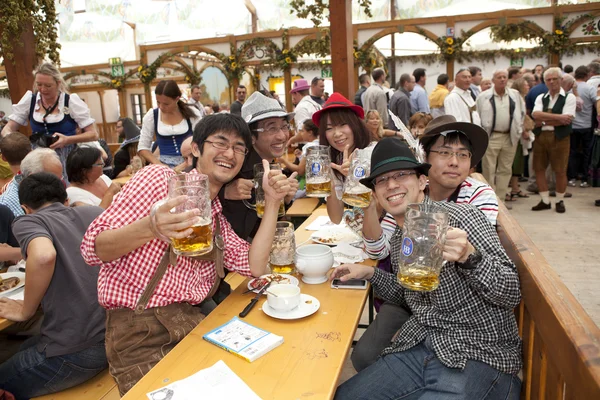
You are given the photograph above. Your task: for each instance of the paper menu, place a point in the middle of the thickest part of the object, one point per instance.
(216, 382)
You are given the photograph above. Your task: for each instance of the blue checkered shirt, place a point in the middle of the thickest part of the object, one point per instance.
(10, 197)
(470, 315)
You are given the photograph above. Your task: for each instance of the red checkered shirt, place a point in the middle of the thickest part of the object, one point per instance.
(122, 281)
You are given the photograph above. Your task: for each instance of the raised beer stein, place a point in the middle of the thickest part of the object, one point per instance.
(259, 193)
(195, 187)
(424, 235)
(282, 259)
(355, 193)
(318, 171)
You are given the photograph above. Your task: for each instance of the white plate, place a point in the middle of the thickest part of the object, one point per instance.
(335, 235)
(20, 275)
(303, 310)
(293, 281)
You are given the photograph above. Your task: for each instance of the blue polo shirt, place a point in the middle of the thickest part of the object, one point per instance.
(533, 94)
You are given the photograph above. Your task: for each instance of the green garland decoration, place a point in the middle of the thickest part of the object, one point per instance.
(321, 46)
(319, 9)
(41, 14)
(147, 73)
(5, 93)
(192, 76)
(233, 63)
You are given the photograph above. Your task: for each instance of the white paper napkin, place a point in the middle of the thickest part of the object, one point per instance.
(319, 223)
(345, 253)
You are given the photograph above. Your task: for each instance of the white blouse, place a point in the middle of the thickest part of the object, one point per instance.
(76, 194)
(147, 134)
(77, 109)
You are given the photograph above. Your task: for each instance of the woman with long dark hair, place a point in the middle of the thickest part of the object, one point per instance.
(341, 126)
(172, 122)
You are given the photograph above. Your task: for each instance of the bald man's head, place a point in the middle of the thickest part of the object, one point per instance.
(186, 151)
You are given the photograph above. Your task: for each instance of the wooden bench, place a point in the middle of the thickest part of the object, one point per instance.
(561, 343)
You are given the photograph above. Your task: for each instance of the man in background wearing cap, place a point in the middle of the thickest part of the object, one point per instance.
(459, 103)
(463, 336)
(451, 148)
(305, 106)
(269, 125)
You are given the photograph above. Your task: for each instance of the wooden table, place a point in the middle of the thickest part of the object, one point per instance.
(302, 207)
(306, 365)
(4, 323)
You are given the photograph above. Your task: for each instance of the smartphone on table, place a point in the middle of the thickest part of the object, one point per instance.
(349, 284)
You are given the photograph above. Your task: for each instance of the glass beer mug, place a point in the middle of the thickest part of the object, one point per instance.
(259, 193)
(282, 259)
(195, 187)
(355, 193)
(318, 171)
(420, 261)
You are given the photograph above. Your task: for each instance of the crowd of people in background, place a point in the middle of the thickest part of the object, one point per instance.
(540, 122)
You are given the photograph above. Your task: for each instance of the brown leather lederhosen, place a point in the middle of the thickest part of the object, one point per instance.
(160, 329)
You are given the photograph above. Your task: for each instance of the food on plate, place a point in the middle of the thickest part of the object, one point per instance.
(8, 283)
(258, 283)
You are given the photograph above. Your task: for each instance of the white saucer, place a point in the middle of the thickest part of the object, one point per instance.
(292, 281)
(303, 310)
(6, 275)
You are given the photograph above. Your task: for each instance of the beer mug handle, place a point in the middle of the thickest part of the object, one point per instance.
(153, 227)
(246, 202)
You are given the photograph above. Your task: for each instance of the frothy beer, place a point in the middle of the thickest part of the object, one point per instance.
(361, 200)
(318, 188)
(419, 278)
(283, 269)
(260, 209)
(198, 242)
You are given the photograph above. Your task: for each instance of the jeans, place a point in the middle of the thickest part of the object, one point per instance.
(29, 373)
(418, 374)
(579, 161)
(378, 335)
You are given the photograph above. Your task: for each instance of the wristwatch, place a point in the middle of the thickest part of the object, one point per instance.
(472, 260)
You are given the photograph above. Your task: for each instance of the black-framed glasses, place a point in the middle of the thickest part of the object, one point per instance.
(462, 155)
(237, 148)
(274, 130)
(399, 176)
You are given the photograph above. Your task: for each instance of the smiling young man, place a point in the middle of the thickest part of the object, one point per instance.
(462, 339)
(269, 125)
(145, 323)
(452, 148)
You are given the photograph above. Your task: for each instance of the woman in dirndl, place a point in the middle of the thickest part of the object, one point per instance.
(172, 122)
(54, 115)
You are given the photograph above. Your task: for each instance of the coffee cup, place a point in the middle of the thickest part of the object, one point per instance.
(284, 297)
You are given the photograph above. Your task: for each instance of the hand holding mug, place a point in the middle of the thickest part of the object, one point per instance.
(457, 246)
(275, 184)
(166, 225)
(239, 189)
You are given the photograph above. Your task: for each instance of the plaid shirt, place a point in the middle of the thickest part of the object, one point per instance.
(10, 196)
(470, 315)
(122, 281)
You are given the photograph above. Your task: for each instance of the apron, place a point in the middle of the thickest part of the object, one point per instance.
(42, 132)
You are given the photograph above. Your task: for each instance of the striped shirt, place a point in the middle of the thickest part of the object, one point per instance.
(471, 191)
(470, 315)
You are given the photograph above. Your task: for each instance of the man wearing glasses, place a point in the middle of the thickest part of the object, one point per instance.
(151, 294)
(451, 148)
(269, 125)
(461, 341)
